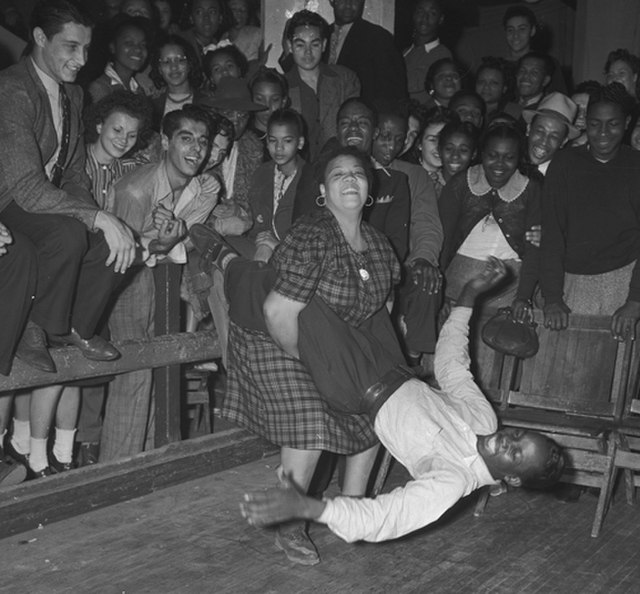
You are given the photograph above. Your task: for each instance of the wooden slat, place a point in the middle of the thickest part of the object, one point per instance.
(25, 506)
(136, 354)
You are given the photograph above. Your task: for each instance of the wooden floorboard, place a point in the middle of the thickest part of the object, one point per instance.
(191, 538)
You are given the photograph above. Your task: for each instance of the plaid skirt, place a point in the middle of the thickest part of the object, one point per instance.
(273, 395)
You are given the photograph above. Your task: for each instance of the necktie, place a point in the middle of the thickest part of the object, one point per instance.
(58, 168)
(333, 45)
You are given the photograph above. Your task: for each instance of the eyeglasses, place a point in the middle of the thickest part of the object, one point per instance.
(181, 61)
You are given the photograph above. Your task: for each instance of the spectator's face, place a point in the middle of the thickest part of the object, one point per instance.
(306, 46)
(606, 125)
(427, 18)
(219, 150)
(221, 65)
(500, 161)
(490, 85)
(519, 32)
(186, 149)
(430, 155)
(62, 56)
(345, 184)
(283, 144)
(130, 49)
(346, 11)
(270, 95)
(392, 131)
(513, 452)
(240, 12)
(635, 137)
(164, 12)
(446, 83)
(140, 8)
(582, 101)
(173, 65)
(412, 133)
(456, 153)
(206, 17)
(547, 134)
(355, 127)
(239, 119)
(531, 78)
(469, 109)
(621, 72)
(116, 136)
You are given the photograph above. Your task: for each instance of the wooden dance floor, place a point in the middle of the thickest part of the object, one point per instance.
(191, 538)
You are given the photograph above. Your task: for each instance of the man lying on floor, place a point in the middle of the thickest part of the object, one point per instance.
(447, 439)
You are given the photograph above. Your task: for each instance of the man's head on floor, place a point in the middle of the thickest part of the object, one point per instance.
(522, 458)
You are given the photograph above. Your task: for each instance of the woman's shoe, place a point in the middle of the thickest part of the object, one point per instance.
(294, 541)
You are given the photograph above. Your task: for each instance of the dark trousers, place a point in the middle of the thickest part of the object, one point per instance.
(18, 273)
(344, 361)
(73, 283)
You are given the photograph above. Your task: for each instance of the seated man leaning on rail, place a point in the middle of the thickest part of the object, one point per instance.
(447, 439)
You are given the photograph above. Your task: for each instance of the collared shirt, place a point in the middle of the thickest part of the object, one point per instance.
(136, 195)
(104, 176)
(486, 238)
(428, 47)
(433, 433)
(116, 81)
(53, 93)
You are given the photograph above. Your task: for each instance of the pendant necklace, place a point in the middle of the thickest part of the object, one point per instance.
(361, 263)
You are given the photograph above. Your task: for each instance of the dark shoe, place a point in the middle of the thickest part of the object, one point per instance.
(88, 454)
(11, 473)
(45, 472)
(211, 246)
(57, 467)
(95, 348)
(12, 453)
(32, 349)
(294, 541)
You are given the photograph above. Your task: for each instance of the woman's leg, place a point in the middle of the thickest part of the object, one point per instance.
(43, 406)
(66, 420)
(299, 465)
(357, 472)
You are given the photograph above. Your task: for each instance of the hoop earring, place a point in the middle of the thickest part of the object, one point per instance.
(369, 201)
(321, 200)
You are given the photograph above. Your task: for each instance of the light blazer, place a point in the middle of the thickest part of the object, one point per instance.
(28, 140)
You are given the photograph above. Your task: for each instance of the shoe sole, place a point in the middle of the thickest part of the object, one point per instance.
(297, 555)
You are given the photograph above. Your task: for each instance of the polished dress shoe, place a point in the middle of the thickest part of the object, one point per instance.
(11, 473)
(32, 349)
(57, 467)
(95, 348)
(12, 453)
(36, 474)
(88, 454)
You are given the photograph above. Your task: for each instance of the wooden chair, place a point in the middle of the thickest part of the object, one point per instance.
(574, 390)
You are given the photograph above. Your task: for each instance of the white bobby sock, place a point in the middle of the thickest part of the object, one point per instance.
(21, 436)
(63, 445)
(38, 456)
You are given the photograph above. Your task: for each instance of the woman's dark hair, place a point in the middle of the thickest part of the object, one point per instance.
(614, 93)
(236, 55)
(343, 151)
(272, 76)
(507, 132)
(193, 63)
(122, 22)
(435, 68)
(436, 115)
(119, 101)
(221, 125)
(458, 127)
(505, 69)
(462, 94)
(286, 116)
(623, 55)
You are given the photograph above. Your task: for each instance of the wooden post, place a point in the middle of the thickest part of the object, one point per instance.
(167, 379)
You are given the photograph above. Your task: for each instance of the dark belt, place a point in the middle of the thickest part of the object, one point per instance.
(377, 394)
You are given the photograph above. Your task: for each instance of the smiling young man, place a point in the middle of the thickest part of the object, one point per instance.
(447, 439)
(590, 216)
(160, 201)
(316, 89)
(550, 127)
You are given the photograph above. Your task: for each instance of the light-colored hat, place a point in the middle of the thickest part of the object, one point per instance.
(559, 106)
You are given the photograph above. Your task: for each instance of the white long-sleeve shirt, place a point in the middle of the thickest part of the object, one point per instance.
(433, 433)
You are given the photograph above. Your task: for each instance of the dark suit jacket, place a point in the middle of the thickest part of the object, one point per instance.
(369, 51)
(28, 140)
